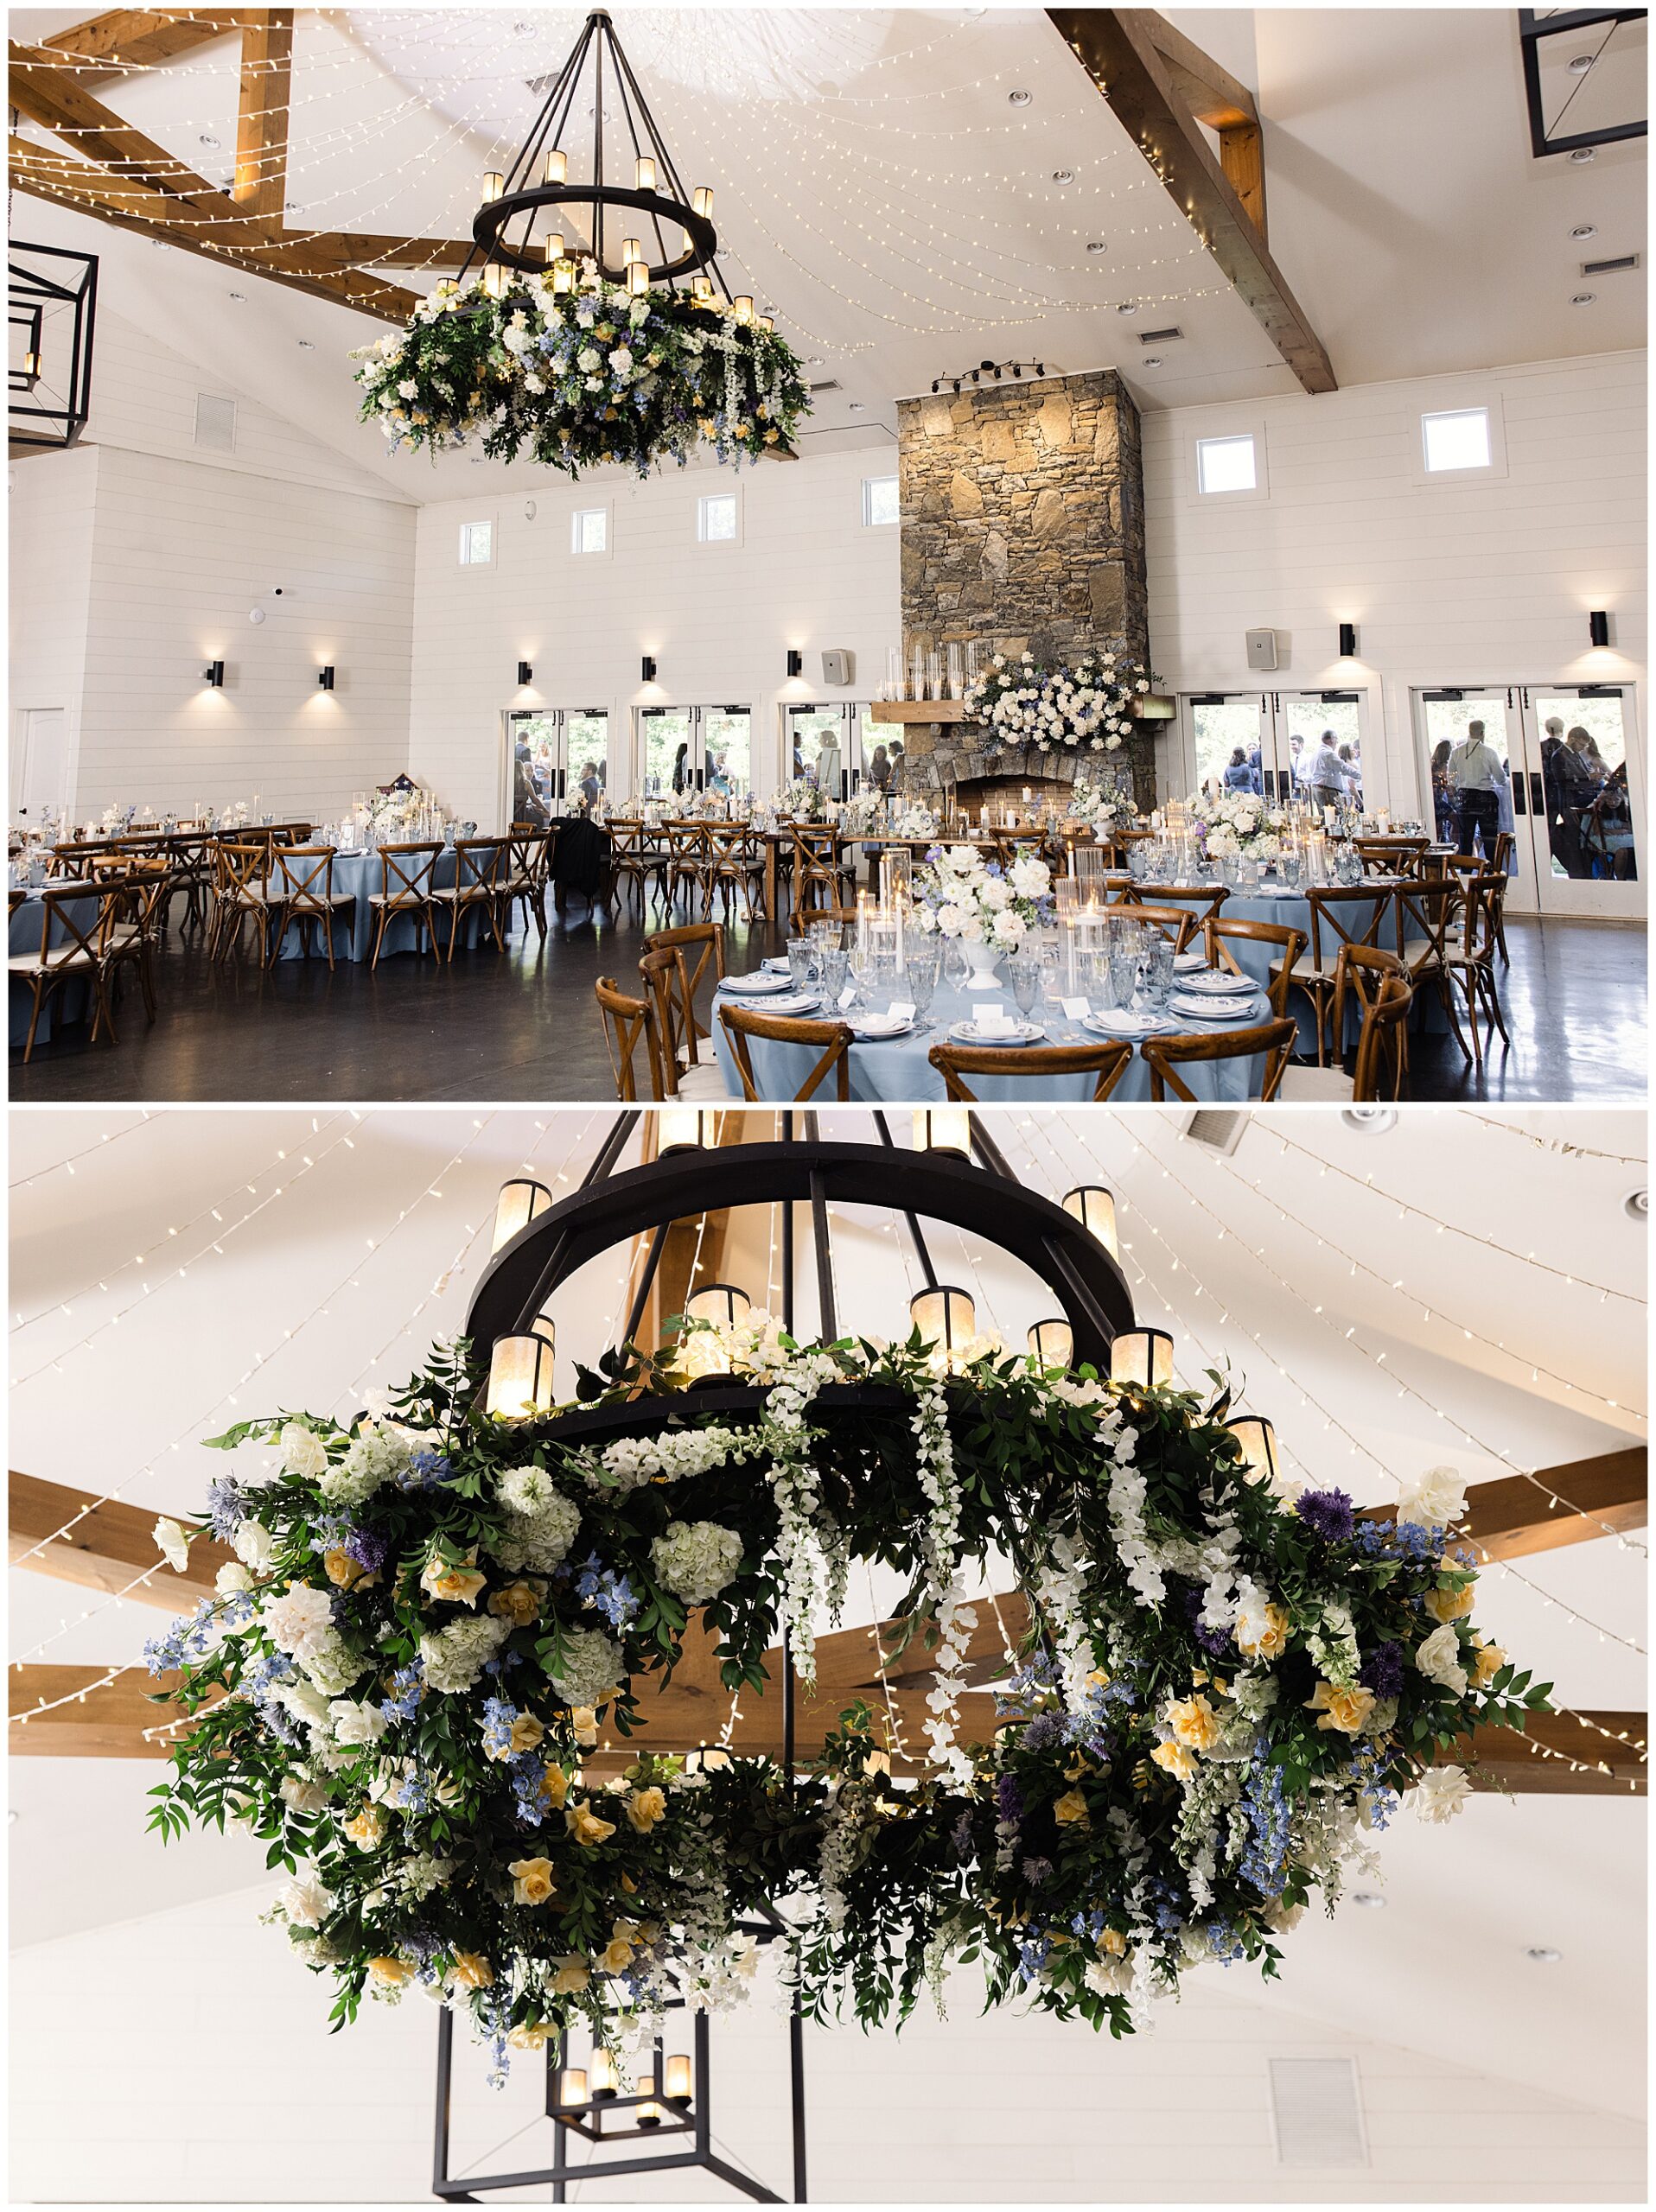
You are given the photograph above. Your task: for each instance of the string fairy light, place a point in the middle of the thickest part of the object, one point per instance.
(66, 1165)
(1561, 1147)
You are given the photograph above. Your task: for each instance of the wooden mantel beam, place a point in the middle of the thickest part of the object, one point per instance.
(1122, 50)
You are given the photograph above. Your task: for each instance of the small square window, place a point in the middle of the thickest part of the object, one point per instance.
(1227, 464)
(879, 501)
(716, 518)
(476, 544)
(590, 531)
(1459, 440)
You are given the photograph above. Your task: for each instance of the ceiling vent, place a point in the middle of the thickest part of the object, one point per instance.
(215, 422)
(1319, 2120)
(1160, 337)
(828, 384)
(1219, 1132)
(1609, 268)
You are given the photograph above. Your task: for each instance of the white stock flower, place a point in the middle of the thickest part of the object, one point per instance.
(1434, 1499)
(304, 1701)
(1441, 1792)
(303, 1452)
(1439, 1659)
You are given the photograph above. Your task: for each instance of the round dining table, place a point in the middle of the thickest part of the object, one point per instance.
(897, 1070)
(70, 1001)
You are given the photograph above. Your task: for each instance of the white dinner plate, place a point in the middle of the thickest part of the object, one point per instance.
(1121, 1022)
(1188, 961)
(756, 986)
(1211, 983)
(1016, 1033)
(796, 1002)
(1219, 1010)
(877, 1028)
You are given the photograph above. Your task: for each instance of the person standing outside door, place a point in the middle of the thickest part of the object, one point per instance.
(1475, 775)
(1327, 777)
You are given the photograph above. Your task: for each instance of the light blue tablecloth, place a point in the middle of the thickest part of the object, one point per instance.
(69, 1001)
(1290, 911)
(358, 875)
(900, 1072)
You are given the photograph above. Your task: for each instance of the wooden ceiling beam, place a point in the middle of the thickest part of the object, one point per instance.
(243, 242)
(1520, 1514)
(262, 120)
(52, 96)
(134, 38)
(107, 1548)
(1119, 48)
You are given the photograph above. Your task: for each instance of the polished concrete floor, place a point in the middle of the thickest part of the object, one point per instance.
(524, 1025)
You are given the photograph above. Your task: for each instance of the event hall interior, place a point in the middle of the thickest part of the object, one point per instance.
(1465, 2027)
(394, 718)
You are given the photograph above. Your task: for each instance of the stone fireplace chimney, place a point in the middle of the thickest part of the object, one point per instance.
(1023, 527)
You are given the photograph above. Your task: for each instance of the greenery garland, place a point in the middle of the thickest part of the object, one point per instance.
(1090, 702)
(578, 378)
(434, 1615)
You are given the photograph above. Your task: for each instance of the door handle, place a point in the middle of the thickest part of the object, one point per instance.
(1517, 793)
(1537, 793)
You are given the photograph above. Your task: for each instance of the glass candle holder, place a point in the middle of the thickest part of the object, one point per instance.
(702, 1352)
(943, 1129)
(947, 1319)
(1052, 1344)
(1095, 1208)
(520, 1200)
(520, 1376)
(1143, 1358)
(1257, 1438)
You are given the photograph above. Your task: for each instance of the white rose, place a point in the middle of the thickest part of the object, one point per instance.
(298, 1619)
(1008, 928)
(231, 1579)
(304, 1701)
(408, 388)
(1438, 1659)
(1434, 1499)
(302, 1796)
(307, 1904)
(621, 361)
(303, 1452)
(1441, 1792)
(357, 1724)
(173, 1544)
(587, 358)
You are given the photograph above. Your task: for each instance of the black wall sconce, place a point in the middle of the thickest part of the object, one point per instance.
(525, 674)
(213, 675)
(795, 663)
(1598, 628)
(325, 679)
(1347, 641)
(646, 668)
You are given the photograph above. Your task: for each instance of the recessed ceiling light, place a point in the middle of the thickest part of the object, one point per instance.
(813, 361)
(1371, 1900)
(1019, 99)
(1584, 154)
(307, 345)
(1127, 307)
(1063, 176)
(1581, 64)
(857, 407)
(1585, 230)
(521, 30)
(209, 141)
(1636, 1205)
(239, 295)
(1152, 361)
(1372, 1121)
(1582, 299)
(1542, 1955)
(1097, 245)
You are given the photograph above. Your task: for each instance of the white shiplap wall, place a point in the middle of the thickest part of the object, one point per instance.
(718, 619)
(50, 515)
(1013, 2108)
(1483, 579)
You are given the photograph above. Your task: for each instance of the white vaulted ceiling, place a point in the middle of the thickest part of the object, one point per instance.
(877, 187)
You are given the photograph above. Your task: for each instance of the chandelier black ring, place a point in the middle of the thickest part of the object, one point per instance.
(495, 216)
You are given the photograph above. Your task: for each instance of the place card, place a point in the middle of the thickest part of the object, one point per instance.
(992, 1017)
(847, 995)
(901, 1010)
(1075, 1009)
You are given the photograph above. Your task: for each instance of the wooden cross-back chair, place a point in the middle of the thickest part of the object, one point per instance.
(1469, 962)
(240, 890)
(832, 1038)
(817, 867)
(1177, 922)
(1221, 937)
(405, 873)
(302, 893)
(1165, 1056)
(479, 877)
(628, 1023)
(695, 947)
(76, 924)
(1107, 1062)
(1314, 972)
(528, 865)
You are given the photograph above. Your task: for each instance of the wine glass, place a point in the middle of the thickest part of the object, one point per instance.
(1023, 973)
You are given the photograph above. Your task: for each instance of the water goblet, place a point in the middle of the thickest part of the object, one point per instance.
(1023, 973)
(920, 976)
(834, 966)
(801, 962)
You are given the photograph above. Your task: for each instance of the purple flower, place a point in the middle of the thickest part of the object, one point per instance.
(1213, 1640)
(1382, 1671)
(1037, 1870)
(1008, 1801)
(1328, 1512)
(226, 1506)
(1046, 1728)
(369, 1547)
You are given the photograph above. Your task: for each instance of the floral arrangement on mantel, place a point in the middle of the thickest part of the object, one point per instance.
(1087, 703)
(1238, 823)
(435, 1616)
(959, 893)
(578, 378)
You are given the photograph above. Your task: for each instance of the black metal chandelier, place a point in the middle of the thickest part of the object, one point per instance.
(640, 181)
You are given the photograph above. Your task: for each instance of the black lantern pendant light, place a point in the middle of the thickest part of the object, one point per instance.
(630, 175)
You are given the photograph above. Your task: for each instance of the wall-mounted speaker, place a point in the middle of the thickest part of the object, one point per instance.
(1262, 648)
(838, 666)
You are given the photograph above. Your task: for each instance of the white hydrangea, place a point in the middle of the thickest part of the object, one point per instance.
(591, 1668)
(418, 1876)
(453, 1658)
(332, 1665)
(696, 1558)
(540, 1523)
(303, 1452)
(377, 1456)
(298, 1619)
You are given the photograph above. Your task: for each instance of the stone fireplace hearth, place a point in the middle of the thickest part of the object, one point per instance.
(1022, 511)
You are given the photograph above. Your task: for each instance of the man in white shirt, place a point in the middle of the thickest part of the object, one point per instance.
(1476, 772)
(1326, 774)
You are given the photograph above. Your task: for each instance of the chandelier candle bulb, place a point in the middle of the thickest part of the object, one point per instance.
(554, 247)
(1258, 1439)
(494, 281)
(631, 251)
(677, 2078)
(742, 308)
(1143, 1358)
(556, 168)
(650, 2115)
(637, 279)
(702, 200)
(520, 1376)
(703, 1354)
(685, 1129)
(572, 2087)
(1095, 1208)
(644, 174)
(701, 290)
(520, 1201)
(948, 1320)
(563, 275)
(766, 322)
(603, 2080)
(1052, 1344)
(943, 1129)
(494, 185)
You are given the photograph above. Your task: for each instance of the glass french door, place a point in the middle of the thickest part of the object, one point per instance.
(1573, 790)
(727, 749)
(827, 745)
(555, 757)
(1267, 741)
(695, 749)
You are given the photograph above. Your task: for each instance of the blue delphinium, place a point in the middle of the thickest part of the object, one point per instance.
(226, 1506)
(1046, 1728)
(405, 1700)
(498, 1719)
(1265, 1863)
(608, 1592)
(1328, 1512)
(960, 1837)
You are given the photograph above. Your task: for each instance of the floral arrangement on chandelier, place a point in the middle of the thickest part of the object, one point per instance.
(578, 377)
(958, 893)
(1088, 703)
(1238, 823)
(437, 1618)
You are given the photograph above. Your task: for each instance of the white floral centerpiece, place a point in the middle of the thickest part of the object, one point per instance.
(1238, 823)
(862, 810)
(989, 910)
(911, 821)
(1088, 703)
(803, 800)
(1107, 814)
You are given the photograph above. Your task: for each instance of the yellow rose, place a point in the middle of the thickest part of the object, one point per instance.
(526, 1732)
(584, 1825)
(519, 1603)
(342, 1571)
(616, 1956)
(366, 1829)
(461, 1585)
(1071, 1807)
(1449, 1604)
(584, 1720)
(1176, 1759)
(1270, 1641)
(390, 1974)
(555, 1787)
(532, 1882)
(1194, 1723)
(1346, 1710)
(571, 1978)
(534, 2035)
(645, 1807)
(1113, 1944)
(1488, 1663)
(472, 1970)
